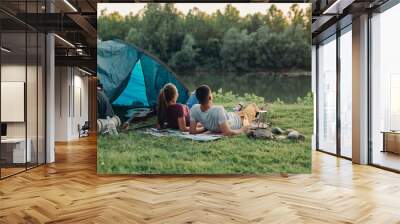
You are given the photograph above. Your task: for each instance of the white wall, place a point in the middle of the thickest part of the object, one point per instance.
(34, 125)
(80, 105)
(71, 102)
(10, 73)
(61, 103)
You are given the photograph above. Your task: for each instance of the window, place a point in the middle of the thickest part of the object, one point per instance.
(327, 95)
(22, 76)
(346, 92)
(385, 89)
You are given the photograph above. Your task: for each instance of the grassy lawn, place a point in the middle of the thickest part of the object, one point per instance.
(133, 152)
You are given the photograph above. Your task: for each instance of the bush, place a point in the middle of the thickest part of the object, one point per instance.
(222, 41)
(306, 100)
(230, 99)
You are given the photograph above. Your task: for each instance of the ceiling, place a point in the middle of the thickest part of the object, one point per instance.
(75, 22)
(330, 15)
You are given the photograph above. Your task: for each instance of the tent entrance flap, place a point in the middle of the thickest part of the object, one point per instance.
(134, 93)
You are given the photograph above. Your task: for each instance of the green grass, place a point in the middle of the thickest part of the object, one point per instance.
(137, 153)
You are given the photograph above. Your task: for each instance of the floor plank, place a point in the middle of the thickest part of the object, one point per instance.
(69, 191)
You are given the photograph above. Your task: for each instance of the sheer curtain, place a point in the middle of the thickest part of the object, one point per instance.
(327, 95)
(346, 92)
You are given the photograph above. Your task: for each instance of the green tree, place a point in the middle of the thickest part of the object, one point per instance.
(297, 17)
(230, 18)
(198, 24)
(271, 49)
(252, 22)
(111, 26)
(161, 30)
(185, 58)
(211, 54)
(275, 19)
(308, 19)
(300, 37)
(134, 36)
(235, 52)
(221, 40)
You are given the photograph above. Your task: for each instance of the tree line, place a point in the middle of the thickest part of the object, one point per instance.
(223, 40)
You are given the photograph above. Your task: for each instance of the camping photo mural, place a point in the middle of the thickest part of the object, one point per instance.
(204, 88)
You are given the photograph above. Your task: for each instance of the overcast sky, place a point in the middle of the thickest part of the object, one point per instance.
(244, 8)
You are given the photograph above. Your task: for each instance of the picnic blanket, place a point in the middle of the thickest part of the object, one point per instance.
(204, 137)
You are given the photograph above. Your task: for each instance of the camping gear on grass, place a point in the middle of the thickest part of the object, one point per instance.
(277, 131)
(274, 133)
(295, 135)
(136, 113)
(132, 77)
(261, 119)
(260, 133)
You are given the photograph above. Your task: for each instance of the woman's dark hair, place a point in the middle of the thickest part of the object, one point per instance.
(203, 94)
(167, 93)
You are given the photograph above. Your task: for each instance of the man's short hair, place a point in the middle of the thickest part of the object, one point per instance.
(203, 94)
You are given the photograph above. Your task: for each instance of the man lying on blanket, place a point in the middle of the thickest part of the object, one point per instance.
(214, 118)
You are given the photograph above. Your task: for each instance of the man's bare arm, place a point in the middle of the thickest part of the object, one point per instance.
(194, 129)
(227, 131)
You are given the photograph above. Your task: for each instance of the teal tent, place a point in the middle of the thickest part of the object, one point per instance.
(132, 77)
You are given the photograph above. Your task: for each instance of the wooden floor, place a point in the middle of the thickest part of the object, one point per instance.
(387, 159)
(5, 172)
(69, 191)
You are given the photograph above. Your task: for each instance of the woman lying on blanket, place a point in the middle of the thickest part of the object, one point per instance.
(171, 114)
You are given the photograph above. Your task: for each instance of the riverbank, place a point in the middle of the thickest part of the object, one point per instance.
(292, 73)
(271, 87)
